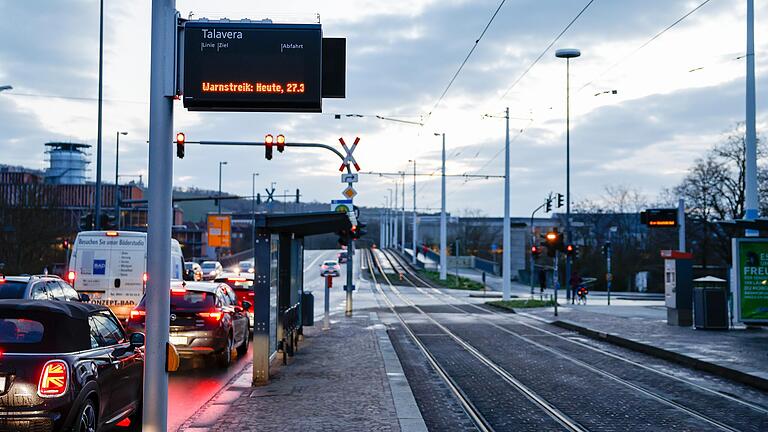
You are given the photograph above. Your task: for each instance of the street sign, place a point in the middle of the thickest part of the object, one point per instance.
(750, 262)
(342, 207)
(252, 66)
(349, 159)
(349, 192)
(349, 178)
(219, 230)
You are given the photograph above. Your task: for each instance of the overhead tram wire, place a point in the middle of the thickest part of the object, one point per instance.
(466, 59)
(543, 53)
(645, 44)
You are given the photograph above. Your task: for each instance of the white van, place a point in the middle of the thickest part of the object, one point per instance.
(110, 266)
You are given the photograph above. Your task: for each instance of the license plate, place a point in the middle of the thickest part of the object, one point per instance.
(178, 340)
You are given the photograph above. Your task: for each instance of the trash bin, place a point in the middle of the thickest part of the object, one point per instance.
(307, 308)
(710, 304)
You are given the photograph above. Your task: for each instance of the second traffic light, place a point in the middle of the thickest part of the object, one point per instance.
(554, 242)
(181, 140)
(269, 140)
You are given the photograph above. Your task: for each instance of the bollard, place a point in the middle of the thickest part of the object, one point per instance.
(327, 303)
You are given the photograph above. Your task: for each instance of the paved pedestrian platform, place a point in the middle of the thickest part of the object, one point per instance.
(348, 378)
(739, 354)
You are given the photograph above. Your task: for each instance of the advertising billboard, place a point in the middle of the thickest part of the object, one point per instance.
(750, 258)
(252, 66)
(219, 230)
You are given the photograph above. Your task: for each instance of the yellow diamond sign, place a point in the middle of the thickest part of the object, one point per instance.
(349, 192)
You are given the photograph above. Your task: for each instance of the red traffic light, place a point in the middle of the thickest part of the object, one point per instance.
(280, 143)
(535, 251)
(268, 141)
(181, 138)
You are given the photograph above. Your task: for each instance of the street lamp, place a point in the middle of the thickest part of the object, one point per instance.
(568, 54)
(97, 198)
(220, 165)
(117, 175)
(443, 222)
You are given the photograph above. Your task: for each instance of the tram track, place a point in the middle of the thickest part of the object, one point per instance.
(574, 352)
(513, 385)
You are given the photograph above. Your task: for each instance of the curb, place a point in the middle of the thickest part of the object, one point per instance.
(675, 357)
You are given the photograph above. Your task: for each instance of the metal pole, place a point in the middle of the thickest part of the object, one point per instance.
(160, 214)
(219, 200)
(415, 236)
(608, 264)
(557, 277)
(117, 184)
(391, 220)
(402, 214)
(458, 284)
(350, 269)
(97, 204)
(568, 237)
(382, 234)
(327, 303)
(253, 214)
(681, 225)
(506, 260)
(394, 216)
(443, 225)
(751, 196)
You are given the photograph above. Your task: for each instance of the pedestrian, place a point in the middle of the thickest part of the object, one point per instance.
(542, 280)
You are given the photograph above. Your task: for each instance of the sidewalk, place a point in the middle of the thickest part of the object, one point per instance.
(347, 378)
(740, 355)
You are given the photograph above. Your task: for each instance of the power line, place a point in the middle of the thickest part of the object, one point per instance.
(581, 12)
(461, 66)
(646, 43)
(77, 98)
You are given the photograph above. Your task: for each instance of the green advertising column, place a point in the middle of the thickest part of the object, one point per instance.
(750, 259)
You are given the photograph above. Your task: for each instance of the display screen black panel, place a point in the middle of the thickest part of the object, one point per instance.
(245, 66)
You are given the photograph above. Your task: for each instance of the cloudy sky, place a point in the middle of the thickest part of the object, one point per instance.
(401, 54)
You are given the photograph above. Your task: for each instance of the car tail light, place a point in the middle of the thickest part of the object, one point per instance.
(215, 315)
(237, 279)
(71, 276)
(54, 379)
(145, 277)
(2, 278)
(137, 314)
(178, 290)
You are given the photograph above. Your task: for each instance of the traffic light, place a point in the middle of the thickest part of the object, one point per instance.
(298, 195)
(258, 199)
(607, 248)
(343, 237)
(548, 205)
(180, 140)
(359, 230)
(65, 244)
(281, 143)
(570, 250)
(554, 242)
(86, 222)
(535, 251)
(268, 142)
(107, 221)
(560, 200)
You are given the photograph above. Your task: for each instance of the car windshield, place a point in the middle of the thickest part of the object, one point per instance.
(209, 265)
(188, 266)
(12, 290)
(330, 263)
(191, 300)
(239, 283)
(20, 331)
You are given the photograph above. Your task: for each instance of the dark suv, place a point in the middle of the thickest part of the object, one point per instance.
(67, 366)
(205, 321)
(39, 287)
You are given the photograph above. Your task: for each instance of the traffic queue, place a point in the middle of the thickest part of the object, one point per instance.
(71, 350)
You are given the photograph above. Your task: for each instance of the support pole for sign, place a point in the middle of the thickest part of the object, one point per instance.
(160, 215)
(506, 260)
(402, 214)
(557, 277)
(750, 161)
(443, 223)
(415, 229)
(681, 225)
(350, 269)
(327, 303)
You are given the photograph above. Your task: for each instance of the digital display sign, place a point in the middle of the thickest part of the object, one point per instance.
(659, 218)
(252, 66)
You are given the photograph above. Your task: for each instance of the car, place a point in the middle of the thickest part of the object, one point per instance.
(242, 284)
(211, 270)
(205, 321)
(67, 366)
(193, 271)
(330, 268)
(38, 287)
(246, 267)
(343, 257)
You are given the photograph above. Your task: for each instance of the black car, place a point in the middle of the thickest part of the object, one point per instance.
(205, 321)
(67, 366)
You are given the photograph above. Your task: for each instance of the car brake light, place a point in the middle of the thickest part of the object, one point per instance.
(112, 234)
(124, 423)
(54, 379)
(237, 279)
(216, 315)
(250, 293)
(2, 279)
(178, 290)
(71, 276)
(145, 277)
(135, 314)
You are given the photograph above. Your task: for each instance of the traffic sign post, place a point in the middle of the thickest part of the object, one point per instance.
(327, 303)
(349, 178)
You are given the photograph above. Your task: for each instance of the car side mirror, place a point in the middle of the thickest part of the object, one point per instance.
(137, 339)
(84, 297)
(247, 305)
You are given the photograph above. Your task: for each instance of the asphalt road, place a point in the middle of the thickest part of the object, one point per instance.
(197, 382)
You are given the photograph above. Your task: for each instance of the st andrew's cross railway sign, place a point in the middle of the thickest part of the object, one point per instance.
(349, 159)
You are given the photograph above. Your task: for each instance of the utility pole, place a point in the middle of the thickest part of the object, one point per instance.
(382, 234)
(155, 406)
(681, 225)
(506, 260)
(751, 195)
(253, 213)
(394, 216)
(402, 214)
(557, 277)
(117, 174)
(443, 223)
(415, 229)
(390, 220)
(97, 204)
(608, 252)
(219, 200)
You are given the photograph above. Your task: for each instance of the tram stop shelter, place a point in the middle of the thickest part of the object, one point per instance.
(279, 281)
